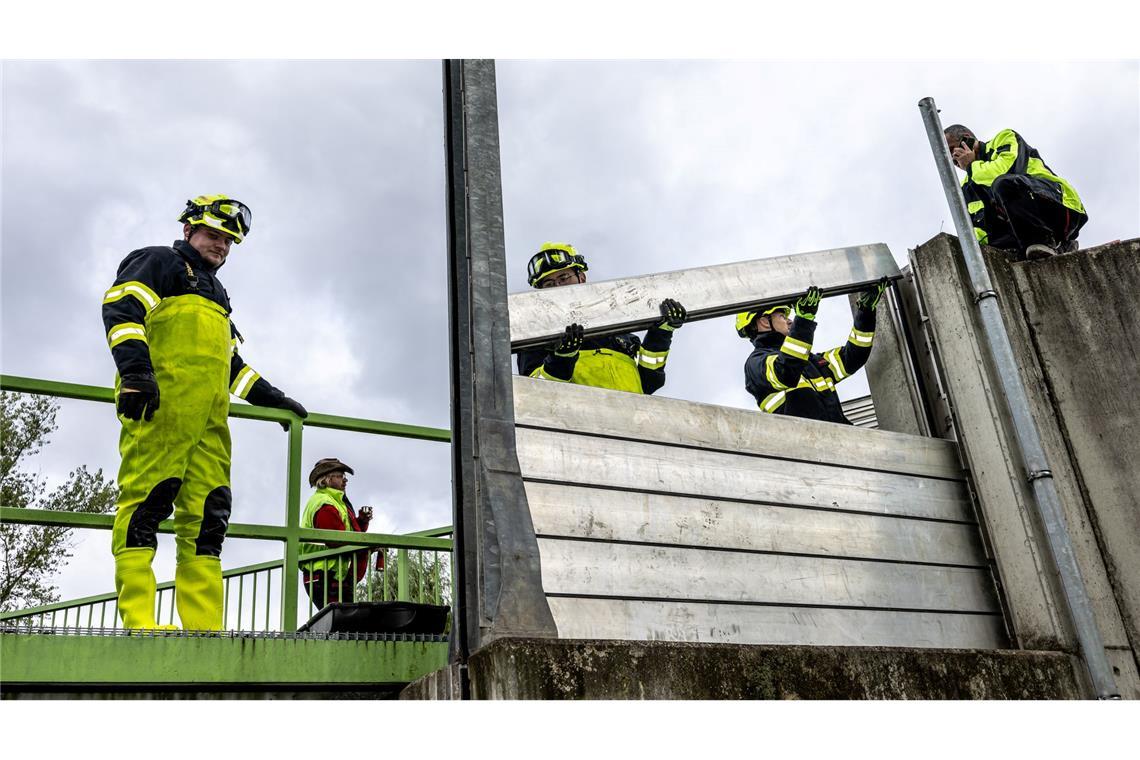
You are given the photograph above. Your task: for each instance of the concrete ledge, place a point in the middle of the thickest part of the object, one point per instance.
(519, 668)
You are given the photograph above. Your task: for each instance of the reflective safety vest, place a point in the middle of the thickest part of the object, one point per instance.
(617, 362)
(340, 567)
(603, 368)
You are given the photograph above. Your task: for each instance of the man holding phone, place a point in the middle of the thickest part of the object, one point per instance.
(1014, 199)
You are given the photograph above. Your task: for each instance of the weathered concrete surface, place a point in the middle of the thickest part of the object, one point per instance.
(576, 669)
(1083, 320)
(443, 684)
(1031, 591)
(1029, 294)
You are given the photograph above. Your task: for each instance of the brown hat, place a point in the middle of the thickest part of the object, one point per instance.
(325, 466)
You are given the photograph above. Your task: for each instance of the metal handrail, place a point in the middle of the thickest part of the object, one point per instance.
(291, 534)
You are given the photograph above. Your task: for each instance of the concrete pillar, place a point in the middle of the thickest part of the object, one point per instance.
(1030, 589)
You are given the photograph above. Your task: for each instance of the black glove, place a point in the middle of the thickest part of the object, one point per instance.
(144, 399)
(869, 299)
(292, 406)
(571, 341)
(807, 304)
(674, 313)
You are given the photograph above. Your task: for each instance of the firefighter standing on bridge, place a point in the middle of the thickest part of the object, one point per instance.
(784, 375)
(167, 319)
(619, 362)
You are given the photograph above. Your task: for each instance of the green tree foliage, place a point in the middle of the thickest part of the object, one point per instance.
(32, 555)
(429, 577)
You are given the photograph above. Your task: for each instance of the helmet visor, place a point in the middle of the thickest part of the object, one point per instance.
(232, 211)
(545, 262)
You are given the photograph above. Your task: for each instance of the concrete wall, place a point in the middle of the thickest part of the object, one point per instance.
(1073, 328)
(1081, 312)
(568, 669)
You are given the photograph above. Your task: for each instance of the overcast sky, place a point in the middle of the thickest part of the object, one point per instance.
(340, 289)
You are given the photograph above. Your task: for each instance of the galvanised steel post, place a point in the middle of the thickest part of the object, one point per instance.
(1037, 470)
(499, 587)
(465, 613)
(292, 529)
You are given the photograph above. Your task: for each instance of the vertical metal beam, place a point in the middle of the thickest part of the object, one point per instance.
(498, 580)
(1024, 428)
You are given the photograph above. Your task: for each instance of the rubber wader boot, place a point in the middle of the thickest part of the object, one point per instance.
(135, 585)
(198, 593)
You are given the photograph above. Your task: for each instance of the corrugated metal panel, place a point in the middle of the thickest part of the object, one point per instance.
(861, 412)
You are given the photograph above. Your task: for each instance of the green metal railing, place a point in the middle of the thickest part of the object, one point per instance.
(291, 534)
(413, 578)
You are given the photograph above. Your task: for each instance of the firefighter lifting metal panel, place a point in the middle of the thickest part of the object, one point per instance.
(538, 316)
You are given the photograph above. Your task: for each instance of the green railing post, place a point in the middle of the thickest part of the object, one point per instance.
(292, 529)
(402, 593)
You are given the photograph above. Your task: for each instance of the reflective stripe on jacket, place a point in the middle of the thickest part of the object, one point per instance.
(618, 362)
(148, 277)
(785, 377)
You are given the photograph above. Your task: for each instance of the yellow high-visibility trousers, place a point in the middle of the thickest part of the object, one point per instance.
(178, 462)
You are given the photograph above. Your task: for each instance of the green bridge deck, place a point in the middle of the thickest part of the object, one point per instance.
(183, 664)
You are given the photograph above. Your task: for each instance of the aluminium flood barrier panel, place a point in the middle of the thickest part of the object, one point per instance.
(660, 519)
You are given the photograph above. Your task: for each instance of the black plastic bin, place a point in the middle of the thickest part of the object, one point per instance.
(379, 617)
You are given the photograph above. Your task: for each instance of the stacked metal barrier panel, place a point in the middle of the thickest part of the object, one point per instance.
(667, 519)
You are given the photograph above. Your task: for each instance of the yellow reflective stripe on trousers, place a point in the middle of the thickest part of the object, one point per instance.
(147, 297)
(652, 359)
(544, 375)
(836, 363)
(796, 348)
(773, 401)
(126, 331)
(243, 383)
(860, 338)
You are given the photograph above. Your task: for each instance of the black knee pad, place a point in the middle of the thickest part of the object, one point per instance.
(215, 521)
(156, 507)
